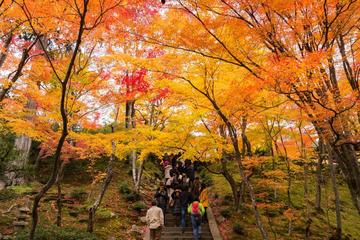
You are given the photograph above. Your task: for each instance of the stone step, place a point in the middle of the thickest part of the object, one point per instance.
(20, 223)
(186, 229)
(183, 237)
(185, 234)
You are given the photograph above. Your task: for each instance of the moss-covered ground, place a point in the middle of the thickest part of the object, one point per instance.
(114, 218)
(275, 213)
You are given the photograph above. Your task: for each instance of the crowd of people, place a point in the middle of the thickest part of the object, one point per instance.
(182, 194)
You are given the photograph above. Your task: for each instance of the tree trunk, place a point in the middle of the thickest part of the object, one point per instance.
(129, 124)
(253, 202)
(59, 194)
(109, 174)
(306, 198)
(233, 185)
(288, 167)
(64, 131)
(15, 172)
(319, 175)
(23, 145)
(139, 175)
(346, 157)
(6, 46)
(234, 140)
(18, 73)
(246, 145)
(336, 193)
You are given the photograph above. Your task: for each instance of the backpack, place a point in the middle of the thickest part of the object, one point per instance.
(195, 211)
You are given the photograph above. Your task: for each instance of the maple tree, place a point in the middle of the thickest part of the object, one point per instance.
(289, 47)
(240, 84)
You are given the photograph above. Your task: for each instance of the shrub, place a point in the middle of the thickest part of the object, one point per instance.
(7, 194)
(206, 178)
(237, 228)
(228, 197)
(139, 206)
(104, 214)
(124, 188)
(132, 197)
(57, 233)
(227, 200)
(78, 194)
(273, 212)
(226, 212)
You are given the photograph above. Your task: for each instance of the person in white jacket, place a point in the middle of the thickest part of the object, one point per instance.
(167, 169)
(155, 221)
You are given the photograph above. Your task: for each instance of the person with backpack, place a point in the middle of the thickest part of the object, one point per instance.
(155, 221)
(196, 211)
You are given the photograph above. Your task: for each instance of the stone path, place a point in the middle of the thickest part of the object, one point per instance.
(174, 233)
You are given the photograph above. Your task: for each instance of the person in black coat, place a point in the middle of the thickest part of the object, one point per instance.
(186, 198)
(176, 205)
(162, 199)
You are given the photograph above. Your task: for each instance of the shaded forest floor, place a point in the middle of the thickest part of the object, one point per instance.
(120, 210)
(275, 215)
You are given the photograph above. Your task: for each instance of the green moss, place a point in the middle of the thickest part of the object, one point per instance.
(7, 194)
(57, 233)
(238, 228)
(21, 189)
(124, 188)
(104, 214)
(79, 194)
(226, 212)
(139, 206)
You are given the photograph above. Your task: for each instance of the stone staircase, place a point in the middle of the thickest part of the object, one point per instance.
(172, 232)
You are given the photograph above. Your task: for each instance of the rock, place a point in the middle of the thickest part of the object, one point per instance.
(135, 229)
(73, 213)
(83, 220)
(20, 224)
(31, 193)
(24, 210)
(68, 201)
(2, 186)
(8, 237)
(221, 219)
(22, 216)
(143, 219)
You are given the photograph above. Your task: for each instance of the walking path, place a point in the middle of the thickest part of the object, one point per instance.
(174, 233)
(172, 230)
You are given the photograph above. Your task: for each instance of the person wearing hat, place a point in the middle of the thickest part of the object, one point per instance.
(176, 204)
(155, 221)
